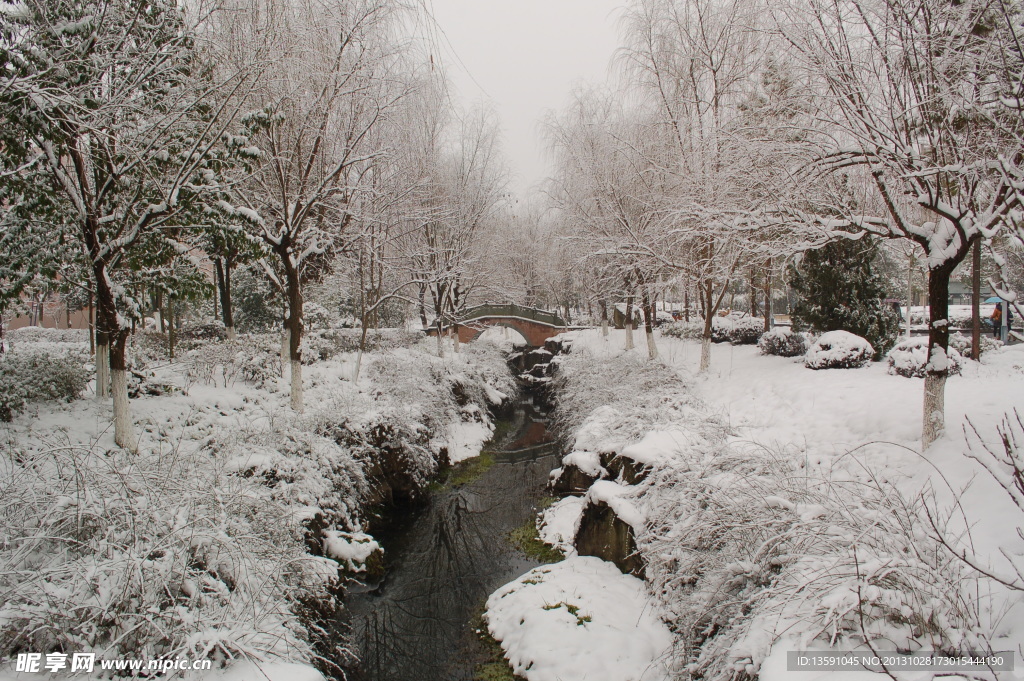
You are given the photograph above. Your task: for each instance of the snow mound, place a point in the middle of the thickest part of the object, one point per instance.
(597, 433)
(467, 438)
(557, 524)
(587, 462)
(620, 499)
(544, 619)
(839, 350)
(910, 358)
(351, 549)
(248, 670)
(658, 447)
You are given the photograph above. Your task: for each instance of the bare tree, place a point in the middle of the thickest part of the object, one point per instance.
(332, 84)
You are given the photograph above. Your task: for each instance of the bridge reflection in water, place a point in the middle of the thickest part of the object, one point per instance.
(444, 563)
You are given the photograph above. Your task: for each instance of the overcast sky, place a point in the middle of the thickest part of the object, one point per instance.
(524, 56)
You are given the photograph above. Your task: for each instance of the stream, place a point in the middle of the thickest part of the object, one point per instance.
(445, 560)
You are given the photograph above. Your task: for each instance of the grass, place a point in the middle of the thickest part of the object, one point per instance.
(469, 470)
(496, 667)
(527, 540)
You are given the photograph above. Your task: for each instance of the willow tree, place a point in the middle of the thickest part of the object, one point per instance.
(333, 81)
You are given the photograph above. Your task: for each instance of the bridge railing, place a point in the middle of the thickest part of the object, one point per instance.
(508, 310)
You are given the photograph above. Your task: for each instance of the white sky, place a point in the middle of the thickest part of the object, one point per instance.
(524, 57)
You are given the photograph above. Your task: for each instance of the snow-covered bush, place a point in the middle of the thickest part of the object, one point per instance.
(962, 343)
(254, 359)
(691, 330)
(783, 342)
(720, 328)
(155, 554)
(27, 376)
(839, 350)
(745, 331)
(909, 358)
(316, 316)
(194, 334)
(39, 334)
(740, 547)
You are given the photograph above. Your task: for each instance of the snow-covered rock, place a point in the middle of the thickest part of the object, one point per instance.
(557, 524)
(579, 619)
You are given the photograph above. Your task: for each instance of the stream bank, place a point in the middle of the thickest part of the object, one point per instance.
(445, 558)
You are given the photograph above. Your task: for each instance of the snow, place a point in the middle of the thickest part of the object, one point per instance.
(587, 462)
(579, 619)
(659, 446)
(858, 426)
(594, 434)
(620, 498)
(352, 549)
(557, 524)
(838, 349)
(466, 439)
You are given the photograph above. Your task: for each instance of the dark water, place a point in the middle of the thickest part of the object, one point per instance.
(446, 560)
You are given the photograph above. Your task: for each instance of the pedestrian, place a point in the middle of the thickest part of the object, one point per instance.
(997, 319)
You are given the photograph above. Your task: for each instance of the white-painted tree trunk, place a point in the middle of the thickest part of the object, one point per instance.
(934, 421)
(359, 364)
(652, 349)
(455, 341)
(705, 354)
(286, 350)
(231, 333)
(604, 328)
(102, 372)
(124, 433)
(629, 336)
(296, 372)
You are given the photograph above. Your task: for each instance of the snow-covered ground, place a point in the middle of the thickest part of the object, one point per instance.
(846, 439)
(194, 547)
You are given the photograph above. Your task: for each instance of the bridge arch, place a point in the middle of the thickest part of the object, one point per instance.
(536, 326)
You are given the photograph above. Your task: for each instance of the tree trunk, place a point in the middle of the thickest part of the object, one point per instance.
(423, 307)
(604, 318)
(649, 316)
(455, 337)
(294, 322)
(768, 296)
(92, 328)
(976, 302)
(172, 334)
(934, 417)
(686, 302)
(910, 289)
(110, 360)
(124, 431)
(359, 355)
(628, 324)
(707, 301)
(224, 288)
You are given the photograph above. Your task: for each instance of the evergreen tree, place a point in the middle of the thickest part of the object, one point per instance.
(837, 289)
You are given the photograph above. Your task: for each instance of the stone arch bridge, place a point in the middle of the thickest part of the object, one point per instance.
(536, 326)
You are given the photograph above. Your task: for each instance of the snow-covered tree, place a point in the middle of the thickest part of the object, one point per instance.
(314, 113)
(110, 104)
(903, 86)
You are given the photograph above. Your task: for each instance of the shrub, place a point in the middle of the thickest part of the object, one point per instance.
(837, 289)
(692, 330)
(745, 330)
(149, 555)
(839, 350)
(962, 343)
(26, 376)
(783, 342)
(910, 358)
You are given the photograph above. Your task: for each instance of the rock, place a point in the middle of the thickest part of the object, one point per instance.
(601, 533)
(625, 469)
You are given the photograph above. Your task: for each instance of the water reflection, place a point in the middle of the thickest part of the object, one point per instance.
(445, 562)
